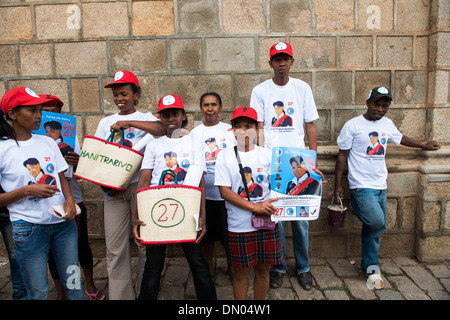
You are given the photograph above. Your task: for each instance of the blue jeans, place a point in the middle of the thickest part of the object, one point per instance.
(204, 286)
(300, 243)
(19, 290)
(33, 243)
(370, 206)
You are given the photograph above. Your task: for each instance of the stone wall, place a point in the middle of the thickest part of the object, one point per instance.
(71, 48)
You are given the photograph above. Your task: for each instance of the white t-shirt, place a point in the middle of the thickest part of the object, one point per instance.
(132, 135)
(213, 139)
(227, 174)
(286, 128)
(177, 154)
(367, 142)
(37, 160)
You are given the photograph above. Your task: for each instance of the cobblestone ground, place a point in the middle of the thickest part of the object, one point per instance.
(333, 279)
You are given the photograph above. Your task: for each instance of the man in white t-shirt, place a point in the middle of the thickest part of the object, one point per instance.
(284, 105)
(367, 172)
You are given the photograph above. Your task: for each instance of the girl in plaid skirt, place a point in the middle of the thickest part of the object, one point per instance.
(248, 246)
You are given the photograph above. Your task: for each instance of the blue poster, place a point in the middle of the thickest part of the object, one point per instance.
(62, 128)
(295, 183)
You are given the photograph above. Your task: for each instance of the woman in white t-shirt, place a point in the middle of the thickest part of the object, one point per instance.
(214, 136)
(118, 204)
(179, 151)
(32, 175)
(248, 247)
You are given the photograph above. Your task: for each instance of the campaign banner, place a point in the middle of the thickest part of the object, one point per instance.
(295, 183)
(62, 128)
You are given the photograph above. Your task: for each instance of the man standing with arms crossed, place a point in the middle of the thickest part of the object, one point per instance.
(367, 173)
(298, 101)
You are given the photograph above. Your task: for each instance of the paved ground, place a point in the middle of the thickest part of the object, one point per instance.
(334, 279)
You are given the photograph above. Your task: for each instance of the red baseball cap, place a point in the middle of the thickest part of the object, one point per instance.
(123, 76)
(281, 47)
(245, 112)
(170, 101)
(56, 101)
(21, 96)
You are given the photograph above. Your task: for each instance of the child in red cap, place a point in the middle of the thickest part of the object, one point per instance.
(249, 247)
(175, 144)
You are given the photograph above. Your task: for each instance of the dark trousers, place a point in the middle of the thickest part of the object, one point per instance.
(204, 286)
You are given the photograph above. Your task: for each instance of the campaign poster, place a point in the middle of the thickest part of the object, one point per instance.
(295, 184)
(62, 128)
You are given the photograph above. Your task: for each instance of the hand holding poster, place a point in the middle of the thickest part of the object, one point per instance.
(295, 183)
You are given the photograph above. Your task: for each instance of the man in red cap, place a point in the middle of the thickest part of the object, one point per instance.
(298, 101)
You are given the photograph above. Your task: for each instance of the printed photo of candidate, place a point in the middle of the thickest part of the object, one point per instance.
(281, 119)
(376, 148)
(254, 189)
(53, 130)
(302, 183)
(39, 176)
(171, 159)
(213, 149)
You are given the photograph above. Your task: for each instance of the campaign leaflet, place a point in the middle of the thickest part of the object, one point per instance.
(62, 128)
(295, 184)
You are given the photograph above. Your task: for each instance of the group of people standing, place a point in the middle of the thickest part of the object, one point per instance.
(282, 112)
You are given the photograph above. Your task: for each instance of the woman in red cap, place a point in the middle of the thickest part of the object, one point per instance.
(117, 204)
(249, 246)
(36, 230)
(176, 141)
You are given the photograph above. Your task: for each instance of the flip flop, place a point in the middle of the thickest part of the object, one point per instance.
(93, 296)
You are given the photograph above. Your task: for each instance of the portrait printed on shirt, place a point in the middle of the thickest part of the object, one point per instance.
(295, 183)
(254, 189)
(37, 173)
(212, 151)
(376, 146)
(171, 159)
(281, 119)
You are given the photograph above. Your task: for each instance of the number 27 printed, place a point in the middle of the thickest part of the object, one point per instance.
(165, 215)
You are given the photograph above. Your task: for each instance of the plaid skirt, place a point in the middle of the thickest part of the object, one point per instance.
(247, 249)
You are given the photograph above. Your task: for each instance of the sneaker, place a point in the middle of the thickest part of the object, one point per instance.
(305, 280)
(374, 281)
(276, 279)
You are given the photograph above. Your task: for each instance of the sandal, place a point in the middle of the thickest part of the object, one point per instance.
(93, 296)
